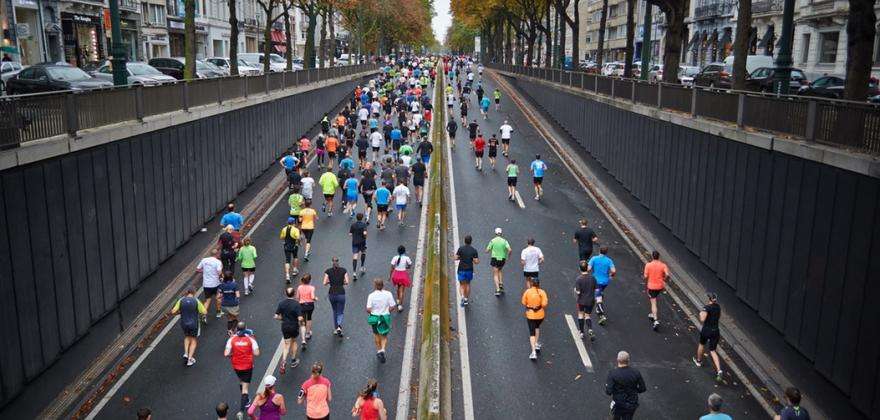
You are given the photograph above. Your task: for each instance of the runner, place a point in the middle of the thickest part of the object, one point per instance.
(247, 257)
(315, 393)
(232, 218)
(451, 129)
(228, 247)
(531, 259)
(484, 107)
(270, 403)
(306, 295)
(506, 132)
(496, 94)
(337, 278)
(308, 186)
(479, 145)
(380, 303)
(368, 189)
(319, 149)
(289, 163)
(304, 146)
(584, 237)
(377, 140)
(624, 384)
(229, 300)
(210, 267)
(350, 187)
(289, 312)
(383, 198)
(656, 274)
(368, 405)
(467, 258)
(363, 144)
(473, 131)
(358, 233)
(512, 174)
(329, 183)
(793, 410)
(241, 348)
(307, 218)
(290, 234)
(463, 106)
(710, 334)
(603, 270)
(535, 300)
(190, 310)
(537, 168)
(401, 197)
(399, 275)
(479, 91)
(425, 149)
(419, 173)
(499, 250)
(585, 290)
(332, 144)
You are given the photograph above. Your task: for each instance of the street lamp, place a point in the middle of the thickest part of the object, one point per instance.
(117, 49)
(782, 74)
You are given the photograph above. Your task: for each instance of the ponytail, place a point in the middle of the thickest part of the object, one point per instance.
(368, 390)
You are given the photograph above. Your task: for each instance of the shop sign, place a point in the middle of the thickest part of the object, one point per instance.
(23, 30)
(82, 19)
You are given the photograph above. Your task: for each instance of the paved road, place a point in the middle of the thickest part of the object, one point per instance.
(173, 391)
(505, 383)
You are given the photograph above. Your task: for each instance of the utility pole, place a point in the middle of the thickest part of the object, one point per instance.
(646, 43)
(783, 59)
(117, 49)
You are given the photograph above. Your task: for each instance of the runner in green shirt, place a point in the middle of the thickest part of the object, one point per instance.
(406, 149)
(499, 250)
(329, 183)
(295, 201)
(512, 173)
(247, 256)
(497, 95)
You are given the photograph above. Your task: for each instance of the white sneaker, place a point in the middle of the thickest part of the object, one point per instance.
(191, 361)
(533, 356)
(538, 346)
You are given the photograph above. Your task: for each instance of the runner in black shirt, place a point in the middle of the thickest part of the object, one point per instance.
(419, 173)
(624, 384)
(585, 289)
(290, 315)
(337, 278)
(584, 237)
(358, 233)
(451, 129)
(473, 130)
(367, 188)
(467, 258)
(710, 334)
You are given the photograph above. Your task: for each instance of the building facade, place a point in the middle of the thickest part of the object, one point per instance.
(820, 38)
(615, 30)
(711, 29)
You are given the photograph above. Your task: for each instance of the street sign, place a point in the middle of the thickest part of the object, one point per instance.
(23, 30)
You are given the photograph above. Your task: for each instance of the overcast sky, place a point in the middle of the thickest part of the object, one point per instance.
(442, 19)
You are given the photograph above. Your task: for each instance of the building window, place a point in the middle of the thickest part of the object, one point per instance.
(612, 10)
(805, 48)
(828, 47)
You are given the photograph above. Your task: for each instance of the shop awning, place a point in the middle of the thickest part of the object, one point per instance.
(725, 39)
(279, 41)
(693, 44)
(767, 39)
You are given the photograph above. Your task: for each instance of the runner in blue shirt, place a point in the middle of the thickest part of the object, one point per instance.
(537, 168)
(484, 107)
(232, 218)
(289, 163)
(347, 163)
(383, 197)
(351, 194)
(603, 270)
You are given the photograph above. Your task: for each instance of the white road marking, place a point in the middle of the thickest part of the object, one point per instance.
(519, 200)
(273, 364)
(467, 395)
(579, 343)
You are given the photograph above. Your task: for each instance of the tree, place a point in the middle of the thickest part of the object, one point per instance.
(288, 44)
(332, 22)
(189, 39)
(860, 33)
(603, 21)
(630, 37)
(322, 46)
(310, 9)
(675, 11)
(233, 36)
(741, 44)
(269, 7)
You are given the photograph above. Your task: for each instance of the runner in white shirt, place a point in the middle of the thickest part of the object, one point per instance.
(414, 106)
(363, 115)
(376, 142)
(400, 266)
(308, 185)
(506, 131)
(531, 259)
(375, 107)
(380, 303)
(211, 268)
(401, 197)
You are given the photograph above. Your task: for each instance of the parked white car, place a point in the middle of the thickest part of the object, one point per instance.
(277, 63)
(139, 73)
(244, 68)
(7, 70)
(612, 69)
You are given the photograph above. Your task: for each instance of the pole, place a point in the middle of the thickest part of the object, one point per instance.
(42, 28)
(646, 43)
(117, 49)
(783, 59)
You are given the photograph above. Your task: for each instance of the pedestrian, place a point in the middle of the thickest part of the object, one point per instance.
(306, 295)
(232, 218)
(247, 257)
(584, 237)
(350, 189)
(270, 403)
(295, 200)
(531, 259)
(290, 235)
(538, 167)
(307, 218)
(399, 274)
(792, 410)
(425, 149)
(467, 258)
(401, 197)
(512, 174)
(190, 310)
(451, 129)
(506, 131)
(228, 247)
(535, 300)
(222, 411)
(329, 183)
(305, 144)
(229, 300)
(358, 233)
(368, 189)
(419, 174)
(211, 268)
(289, 312)
(289, 163)
(315, 393)
(144, 413)
(484, 107)
(624, 384)
(585, 291)
(241, 348)
(499, 249)
(380, 304)
(602, 268)
(337, 278)
(710, 334)
(656, 274)
(368, 405)
(715, 402)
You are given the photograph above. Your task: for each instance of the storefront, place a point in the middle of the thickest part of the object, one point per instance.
(28, 32)
(83, 39)
(176, 39)
(128, 25)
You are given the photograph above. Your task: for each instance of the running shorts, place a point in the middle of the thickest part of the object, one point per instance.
(530, 274)
(587, 309)
(511, 181)
(355, 248)
(478, 153)
(308, 234)
(505, 141)
(289, 332)
(382, 208)
(249, 269)
(710, 338)
(465, 276)
(534, 324)
(328, 197)
(600, 289)
(472, 136)
(497, 101)
(290, 254)
(418, 182)
(244, 375)
(400, 207)
(368, 199)
(493, 151)
(538, 180)
(209, 292)
(191, 330)
(494, 262)
(306, 310)
(232, 310)
(362, 154)
(654, 293)
(584, 254)
(331, 155)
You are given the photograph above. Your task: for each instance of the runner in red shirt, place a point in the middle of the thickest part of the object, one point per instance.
(241, 349)
(656, 274)
(479, 146)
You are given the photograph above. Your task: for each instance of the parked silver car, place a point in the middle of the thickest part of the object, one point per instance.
(244, 68)
(139, 73)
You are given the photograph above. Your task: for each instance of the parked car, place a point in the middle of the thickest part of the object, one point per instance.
(714, 75)
(7, 70)
(50, 77)
(244, 68)
(139, 73)
(686, 74)
(753, 62)
(762, 80)
(276, 62)
(612, 69)
(174, 67)
(832, 87)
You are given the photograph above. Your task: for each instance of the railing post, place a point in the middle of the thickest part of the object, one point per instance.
(246, 78)
(284, 79)
(612, 87)
(659, 95)
(596, 84)
(632, 92)
(266, 82)
(584, 81)
(71, 123)
(812, 120)
(740, 109)
(185, 95)
(220, 90)
(694, 102)
(139, 102)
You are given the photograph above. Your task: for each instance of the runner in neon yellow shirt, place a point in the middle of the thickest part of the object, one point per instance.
(329, 183)
(499, 250)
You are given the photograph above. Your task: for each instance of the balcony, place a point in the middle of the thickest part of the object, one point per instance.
(713, 10)
(130, 6)
(767, 6)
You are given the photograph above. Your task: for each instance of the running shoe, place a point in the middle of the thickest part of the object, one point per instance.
(354, 277)
(381, 356)
(185, 356)
(533, 356)
(191, 361)
(538, 347)
(462, 302)
(581, 334)
(696, 362)
(497, 292)
(719, 376)
(656, 325)
(219, 314)
(399, 308)
(363, 270)
(602, 319)
(294, 363)
(592, 335)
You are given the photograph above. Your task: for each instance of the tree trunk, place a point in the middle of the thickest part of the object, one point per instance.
(499, 40)
(508, 48)
(860, 32)
(267, 37)
(741, 44)
(189, 39)
(233, 37)
(562, 38)
(576, 36)
(323, 45)
(530, 48)
(555, 53)
(312, 13)
(600, 50)
(548, 38)
(332, 42)
(630, 37)
(674, 33)
(288, 51)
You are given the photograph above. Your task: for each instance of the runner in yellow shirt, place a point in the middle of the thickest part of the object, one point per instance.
(307, 218)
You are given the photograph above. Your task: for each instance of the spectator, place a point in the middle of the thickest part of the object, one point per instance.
(715, 402)
(793, 411)
(144, 414)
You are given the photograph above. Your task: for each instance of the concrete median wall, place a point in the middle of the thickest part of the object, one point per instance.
(797, 239)
(80, 231)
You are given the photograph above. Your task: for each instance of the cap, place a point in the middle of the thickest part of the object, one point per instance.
(712, 296)
(498, 231)
(269, 380)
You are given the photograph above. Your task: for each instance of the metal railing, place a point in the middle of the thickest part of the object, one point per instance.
(31, 117)
(853, 125)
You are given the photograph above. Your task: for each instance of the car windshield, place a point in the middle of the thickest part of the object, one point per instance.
(244, 63)
(275, 58)
(690, 71)
(141, 69)
(67, 74)
(203, 66)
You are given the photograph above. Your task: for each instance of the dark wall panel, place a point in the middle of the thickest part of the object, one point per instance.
(60, 257)
(74, 243)
(117, 221)
(103, 221)
(90, 236)
(10, 353)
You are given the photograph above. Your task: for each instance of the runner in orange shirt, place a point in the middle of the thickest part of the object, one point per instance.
(656, 274)
(535, 300)
(332, 145)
